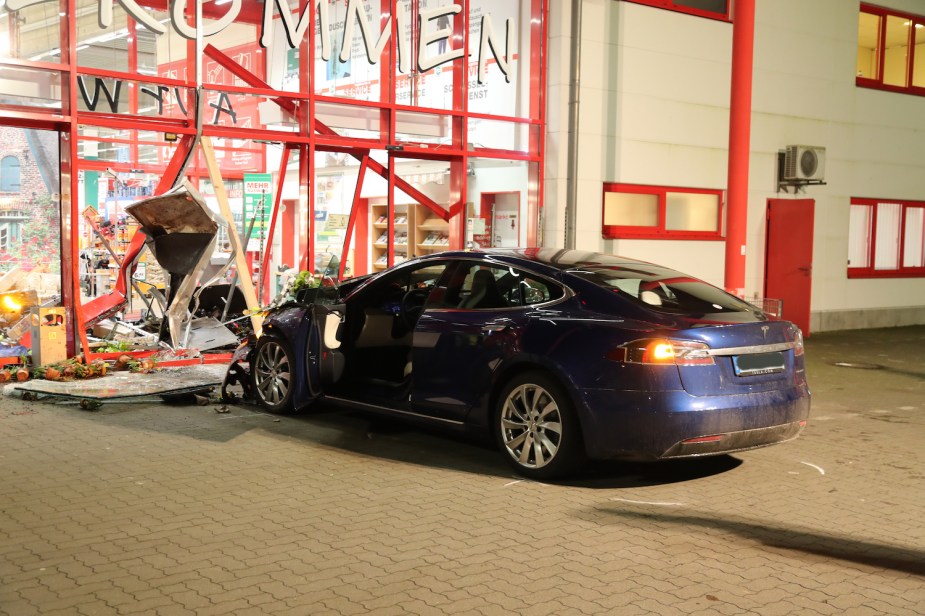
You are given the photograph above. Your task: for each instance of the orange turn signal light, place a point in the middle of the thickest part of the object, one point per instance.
(668, 352)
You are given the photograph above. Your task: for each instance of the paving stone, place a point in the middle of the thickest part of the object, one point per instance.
(160, 509)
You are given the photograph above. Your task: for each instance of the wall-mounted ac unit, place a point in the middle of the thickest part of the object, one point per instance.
(804, 162)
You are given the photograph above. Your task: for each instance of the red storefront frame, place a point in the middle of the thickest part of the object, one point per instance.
(310, 137)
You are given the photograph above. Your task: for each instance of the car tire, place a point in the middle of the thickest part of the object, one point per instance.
(272, 376)
(536, 427)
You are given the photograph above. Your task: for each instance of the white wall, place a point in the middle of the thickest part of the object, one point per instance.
(805, 93)
(654, 107)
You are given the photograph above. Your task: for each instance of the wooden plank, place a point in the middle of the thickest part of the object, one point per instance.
(240, 262)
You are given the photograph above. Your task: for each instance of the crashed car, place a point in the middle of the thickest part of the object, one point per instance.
(559, 356)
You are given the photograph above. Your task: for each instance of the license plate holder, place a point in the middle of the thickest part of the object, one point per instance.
(754, 364)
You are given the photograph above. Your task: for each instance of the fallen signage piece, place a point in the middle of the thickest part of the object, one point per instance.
(181, 233)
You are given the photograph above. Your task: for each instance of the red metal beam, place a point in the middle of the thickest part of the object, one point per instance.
(354, 210)
(288, 105)
(246, 76)
(265, 266)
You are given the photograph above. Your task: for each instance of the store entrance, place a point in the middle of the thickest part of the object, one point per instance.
(498, 222)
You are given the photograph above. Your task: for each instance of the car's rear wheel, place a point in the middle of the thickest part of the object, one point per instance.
(272, 375)
(537, 429)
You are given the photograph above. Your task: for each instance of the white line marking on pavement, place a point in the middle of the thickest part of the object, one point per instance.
(637, 502)
(818, 468)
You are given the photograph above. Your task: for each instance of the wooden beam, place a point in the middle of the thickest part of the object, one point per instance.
(240, 262)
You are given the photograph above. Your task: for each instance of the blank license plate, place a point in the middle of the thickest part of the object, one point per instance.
(758, 363)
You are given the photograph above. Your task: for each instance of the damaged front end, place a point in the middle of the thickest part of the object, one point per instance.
(237, 383)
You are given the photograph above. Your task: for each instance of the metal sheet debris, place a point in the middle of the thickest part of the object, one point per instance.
(181, 231)
(122, 385)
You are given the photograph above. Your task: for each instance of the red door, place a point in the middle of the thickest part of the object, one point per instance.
(789, 257)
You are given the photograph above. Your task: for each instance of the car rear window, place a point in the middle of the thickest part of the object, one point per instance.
(664, 290)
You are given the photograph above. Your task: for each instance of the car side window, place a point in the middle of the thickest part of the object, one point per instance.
(476, 286)
(393, 288)
(426, 277)
(528, 291)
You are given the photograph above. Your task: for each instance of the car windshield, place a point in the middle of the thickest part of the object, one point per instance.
(662, 289)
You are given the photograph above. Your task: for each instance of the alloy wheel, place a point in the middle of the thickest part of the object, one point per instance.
(272, 373)
(531, 426)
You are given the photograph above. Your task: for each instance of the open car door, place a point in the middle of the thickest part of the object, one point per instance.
(298, 354)
(324, 361)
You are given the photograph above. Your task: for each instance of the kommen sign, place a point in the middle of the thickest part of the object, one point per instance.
(356, 15)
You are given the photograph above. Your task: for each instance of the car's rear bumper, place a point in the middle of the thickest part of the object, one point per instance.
(740, 440)
(656, 425)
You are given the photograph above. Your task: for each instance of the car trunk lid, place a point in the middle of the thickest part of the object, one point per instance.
(747, 358)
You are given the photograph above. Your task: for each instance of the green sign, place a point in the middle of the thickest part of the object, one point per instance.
(258, 196)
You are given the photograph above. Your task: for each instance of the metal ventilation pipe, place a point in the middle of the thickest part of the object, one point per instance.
(574, 104)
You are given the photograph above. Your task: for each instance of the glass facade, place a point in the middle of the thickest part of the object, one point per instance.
(356, 109)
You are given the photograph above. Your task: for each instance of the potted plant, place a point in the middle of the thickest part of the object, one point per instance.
(305, 287)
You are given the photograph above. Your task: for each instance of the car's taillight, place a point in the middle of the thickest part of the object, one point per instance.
(798, 344)
(663, 351)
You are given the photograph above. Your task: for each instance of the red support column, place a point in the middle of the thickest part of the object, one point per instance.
(70, 210)
(290, 233)
(268, 250)
(740, 114)
(459, 165)
(538, 62)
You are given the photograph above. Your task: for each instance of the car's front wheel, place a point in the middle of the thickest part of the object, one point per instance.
(272, 375)
(536, 427)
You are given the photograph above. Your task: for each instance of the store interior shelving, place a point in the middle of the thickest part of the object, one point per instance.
(418, 231)
(431, 233)
(403, 222)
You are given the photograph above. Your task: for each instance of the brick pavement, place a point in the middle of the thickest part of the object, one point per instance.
(157, 509)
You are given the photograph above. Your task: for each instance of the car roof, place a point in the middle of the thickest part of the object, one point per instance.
(552, 261)
(565, 260)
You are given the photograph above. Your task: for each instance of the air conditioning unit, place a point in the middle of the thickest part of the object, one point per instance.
(804, 162)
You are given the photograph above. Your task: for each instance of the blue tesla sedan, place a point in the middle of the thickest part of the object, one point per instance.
(559, 355)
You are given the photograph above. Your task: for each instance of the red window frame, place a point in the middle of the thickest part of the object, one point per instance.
(900, 272)
(659, 232)
(877, 83)
(672, 5)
